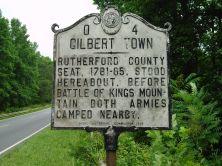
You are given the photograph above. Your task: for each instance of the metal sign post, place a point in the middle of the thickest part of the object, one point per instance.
(111, 141)
(111, 74)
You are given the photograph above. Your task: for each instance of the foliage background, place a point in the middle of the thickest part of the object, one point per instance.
(196, 47)
(25, 75)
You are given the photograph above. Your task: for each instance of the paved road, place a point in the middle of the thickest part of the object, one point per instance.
(15, 130)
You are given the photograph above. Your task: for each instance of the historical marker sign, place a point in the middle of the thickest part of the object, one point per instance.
(111, 70)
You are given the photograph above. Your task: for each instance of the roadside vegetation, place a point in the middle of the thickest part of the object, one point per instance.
(23, 110)
(57, 147)
(25, 75)
(196, 87)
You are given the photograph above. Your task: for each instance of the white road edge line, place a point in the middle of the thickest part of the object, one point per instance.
(23, 139)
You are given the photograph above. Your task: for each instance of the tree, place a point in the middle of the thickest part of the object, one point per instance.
(25, 75)
(45, 69)
(6, 64)
(26, 71)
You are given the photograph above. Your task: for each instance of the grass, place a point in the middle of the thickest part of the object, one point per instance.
(20, 111)
(72, 148)
(56, 147)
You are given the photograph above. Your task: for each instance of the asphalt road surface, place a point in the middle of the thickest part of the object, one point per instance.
(15, 130)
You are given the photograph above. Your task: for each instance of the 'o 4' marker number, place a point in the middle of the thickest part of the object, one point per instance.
(135, 29)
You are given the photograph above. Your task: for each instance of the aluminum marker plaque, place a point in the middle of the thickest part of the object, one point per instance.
(111, 70)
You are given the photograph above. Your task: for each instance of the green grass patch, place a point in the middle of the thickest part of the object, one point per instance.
(79, 148)
(12, 112)
(72, 148)
(56, 147)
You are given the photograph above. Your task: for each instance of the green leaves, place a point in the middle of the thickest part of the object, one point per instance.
(195, 133)
(7, 60)
(45, 68)
(200, 115)
(25, 76)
